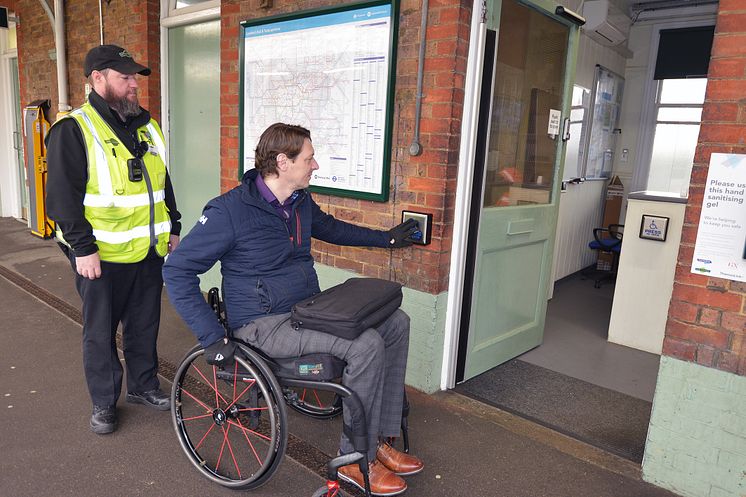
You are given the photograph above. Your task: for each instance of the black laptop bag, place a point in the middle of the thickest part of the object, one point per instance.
(348, 309)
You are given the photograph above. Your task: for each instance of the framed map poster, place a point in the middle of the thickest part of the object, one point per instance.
(331, 71)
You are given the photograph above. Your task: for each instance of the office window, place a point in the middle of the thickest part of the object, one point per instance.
(574, 155)
(678, 108)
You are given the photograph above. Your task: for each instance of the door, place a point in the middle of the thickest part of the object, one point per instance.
(194, 120)
(194, 116)
(526, 85)
(18, 138)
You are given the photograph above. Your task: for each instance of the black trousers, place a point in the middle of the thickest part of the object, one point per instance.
(130, 294)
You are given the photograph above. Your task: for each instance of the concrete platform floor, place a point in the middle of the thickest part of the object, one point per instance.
(470, 449)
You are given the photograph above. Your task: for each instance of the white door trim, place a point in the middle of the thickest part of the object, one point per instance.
(10, 197)
(464, 181)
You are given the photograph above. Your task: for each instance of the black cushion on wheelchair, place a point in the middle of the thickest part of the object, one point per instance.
(317, 367)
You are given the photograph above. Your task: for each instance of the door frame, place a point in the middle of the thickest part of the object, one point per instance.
(465, 178)
(11, 197)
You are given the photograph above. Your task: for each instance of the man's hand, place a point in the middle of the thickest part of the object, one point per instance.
(173, 242)
(399, 234)
(220, 353)
(89, 266)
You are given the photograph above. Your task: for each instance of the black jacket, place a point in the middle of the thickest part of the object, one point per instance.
(67, 175)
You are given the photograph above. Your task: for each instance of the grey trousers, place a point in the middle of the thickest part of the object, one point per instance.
(376, 364)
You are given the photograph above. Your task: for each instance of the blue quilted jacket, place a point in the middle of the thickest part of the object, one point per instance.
(266, 268)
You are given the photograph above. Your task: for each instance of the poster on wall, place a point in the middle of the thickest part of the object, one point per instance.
(720, 249)
(331, 71)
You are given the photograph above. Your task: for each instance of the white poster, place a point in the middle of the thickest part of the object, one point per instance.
(720, 249)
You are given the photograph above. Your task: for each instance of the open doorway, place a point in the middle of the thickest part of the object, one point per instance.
(576, 381)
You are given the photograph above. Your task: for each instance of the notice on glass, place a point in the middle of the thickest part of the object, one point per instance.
(720, 249)
(554, 122)
(329, 73)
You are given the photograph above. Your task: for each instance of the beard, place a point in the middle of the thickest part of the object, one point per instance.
(122, 105)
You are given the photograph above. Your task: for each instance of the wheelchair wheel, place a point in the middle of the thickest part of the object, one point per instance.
(319, 404)
(230, 422)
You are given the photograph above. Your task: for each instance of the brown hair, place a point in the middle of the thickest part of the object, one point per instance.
(279, 138)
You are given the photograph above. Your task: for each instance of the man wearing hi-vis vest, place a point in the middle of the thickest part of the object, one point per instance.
(110, 195)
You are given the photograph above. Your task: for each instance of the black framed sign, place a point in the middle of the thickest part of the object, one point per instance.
(331, 71)
(654, 227)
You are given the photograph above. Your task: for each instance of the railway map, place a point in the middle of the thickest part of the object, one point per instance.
(329, 73)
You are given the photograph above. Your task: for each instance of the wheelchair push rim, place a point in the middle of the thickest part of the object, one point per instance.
(230, 422)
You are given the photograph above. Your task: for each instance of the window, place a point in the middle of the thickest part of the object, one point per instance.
(574, 154)
(179, 7)
(678, 110)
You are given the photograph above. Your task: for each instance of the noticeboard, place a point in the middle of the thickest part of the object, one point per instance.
(331, 71)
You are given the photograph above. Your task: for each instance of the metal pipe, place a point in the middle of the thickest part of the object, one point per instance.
(416, 148)
(59, 45)
(50, 15)
(100, 22)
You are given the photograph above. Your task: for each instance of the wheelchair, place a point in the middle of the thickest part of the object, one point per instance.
(231, 421)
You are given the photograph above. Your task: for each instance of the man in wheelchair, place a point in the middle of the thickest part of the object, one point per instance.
(261, 233)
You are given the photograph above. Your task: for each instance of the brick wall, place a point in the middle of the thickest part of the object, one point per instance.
(707, 318)
(425, 183)
(131, 24)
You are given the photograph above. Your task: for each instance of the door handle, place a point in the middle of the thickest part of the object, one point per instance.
(16, 141)
(566, 130)
(521, 227)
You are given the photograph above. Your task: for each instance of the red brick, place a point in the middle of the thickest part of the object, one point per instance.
(683, 311)
(731, 23)
(697, 334)
(721, 112)
(705, 356)
(709, 317)
(733, 321)
(720, 133)
(729, 45)
(725, 89)
(425, 185)
(727, 68)
(738, 286)
(727, 361)
(679, 349)
(703, 296)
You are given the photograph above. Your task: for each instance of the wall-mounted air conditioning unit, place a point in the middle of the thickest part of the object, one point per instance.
(605, 22)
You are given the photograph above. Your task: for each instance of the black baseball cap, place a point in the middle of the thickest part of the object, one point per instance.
(112, 57)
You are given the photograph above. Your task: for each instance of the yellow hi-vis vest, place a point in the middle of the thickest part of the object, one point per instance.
(127, 217)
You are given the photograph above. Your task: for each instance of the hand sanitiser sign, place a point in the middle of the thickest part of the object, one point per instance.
(720, 249)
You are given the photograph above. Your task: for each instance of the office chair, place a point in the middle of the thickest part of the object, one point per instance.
(608, 240)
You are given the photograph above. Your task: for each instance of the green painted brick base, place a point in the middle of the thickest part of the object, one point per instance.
(696, 442)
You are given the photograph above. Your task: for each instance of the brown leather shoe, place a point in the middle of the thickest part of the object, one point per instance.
(398, 462)
(382, 481)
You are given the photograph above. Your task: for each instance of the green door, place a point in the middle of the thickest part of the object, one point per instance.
(527, 85)
(194, 111)
(194, 120)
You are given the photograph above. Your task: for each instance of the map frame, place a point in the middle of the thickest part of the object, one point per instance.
(380, 180)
